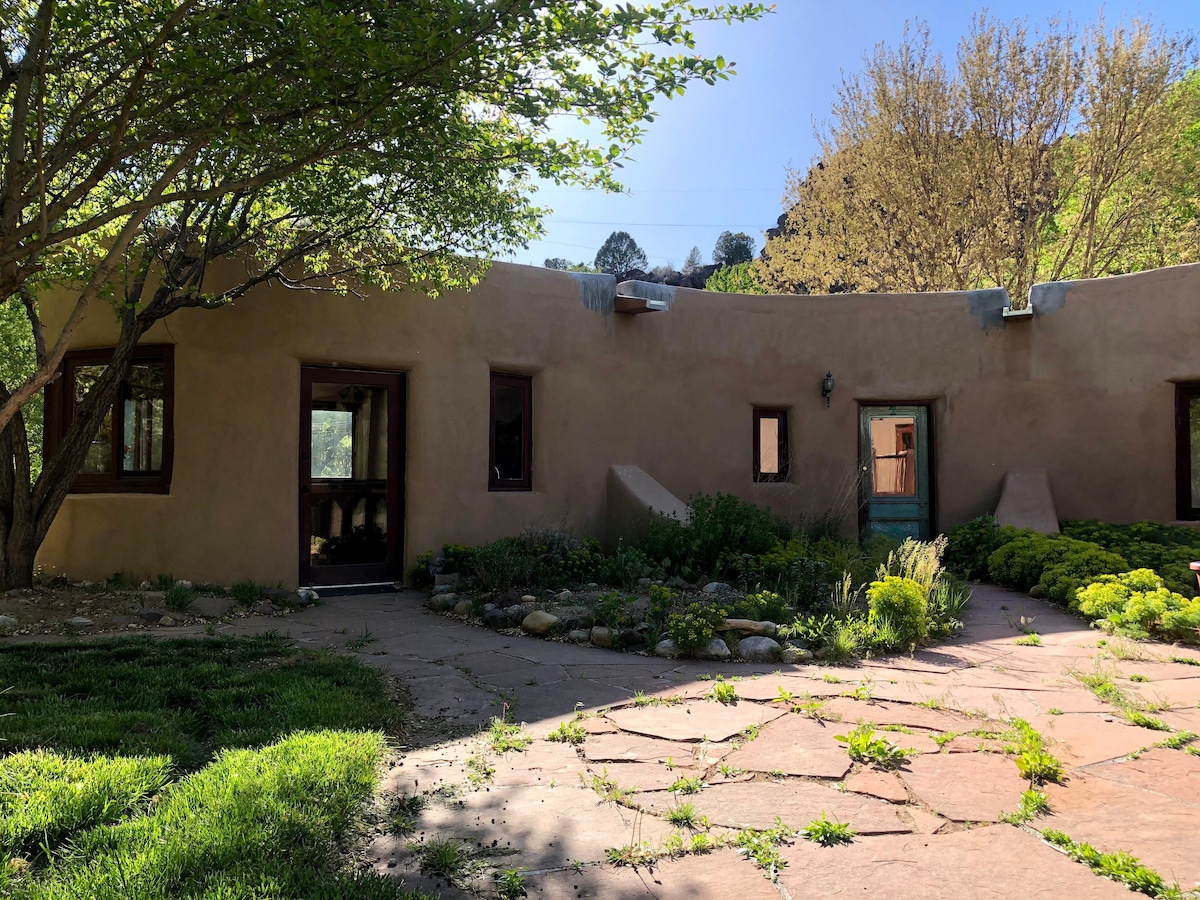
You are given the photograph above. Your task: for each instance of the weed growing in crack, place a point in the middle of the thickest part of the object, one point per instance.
(1033, 760)
(1119, 866)
(864, 747)
(1032, 639)
(568, 732)
(762, 846)
(1034, 803)
(826, 833)
(723, 692)
(504, 736)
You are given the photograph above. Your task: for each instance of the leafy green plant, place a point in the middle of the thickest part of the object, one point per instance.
(569, 732)
(762, 846)
(683, 815)
(626, 565)
(901, 602)
(1034, 803)
(1138, 605)
(1079, 566)
(504, 736)
(969, 545)
(604, 785)
(1032, 639)
(509, 884)
(762, 606)
(723, 692)
(662, 601)
(695, 627)
(1119, 866)
(720, 529)
(864, 747)
(611, 610)
(685, 784)
(1033, 760)
(826, 833)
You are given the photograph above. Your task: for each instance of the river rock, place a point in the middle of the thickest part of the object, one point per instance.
(716, 649)
(579, 636)
(759, 649)
(793, 655)
(539, 623)
(462, 607)
(79, 623)
(716, 587)
(7, 622)
(603, 637)
(166, 622)
(667, 649)
(495, 618)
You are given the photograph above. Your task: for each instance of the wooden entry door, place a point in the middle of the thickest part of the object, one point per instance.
(895, 470)
(351, 476)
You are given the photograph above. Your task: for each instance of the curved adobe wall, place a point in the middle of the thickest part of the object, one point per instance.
(1083, 390)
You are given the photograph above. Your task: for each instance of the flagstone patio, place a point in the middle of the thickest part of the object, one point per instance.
(930, 829)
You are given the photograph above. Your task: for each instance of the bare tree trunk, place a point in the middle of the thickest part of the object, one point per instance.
(17, 545)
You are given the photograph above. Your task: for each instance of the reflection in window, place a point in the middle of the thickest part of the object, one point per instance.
(511, 433)
(99, 454)
(142, 419)
(770, 445)
(332, 443)
(893, 455)
(1194, 435)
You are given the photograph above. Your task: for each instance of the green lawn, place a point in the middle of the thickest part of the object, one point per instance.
(204, 768)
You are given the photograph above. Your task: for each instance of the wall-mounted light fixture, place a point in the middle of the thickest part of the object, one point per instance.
(827, 387)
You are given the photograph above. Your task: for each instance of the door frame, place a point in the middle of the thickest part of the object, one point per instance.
(930, 407)
(397, 387)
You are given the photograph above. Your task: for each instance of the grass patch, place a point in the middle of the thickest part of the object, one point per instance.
(254, 823)
(1120, 866)
(683, 815)
(182, 698)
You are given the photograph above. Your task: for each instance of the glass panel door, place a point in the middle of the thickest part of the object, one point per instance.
(895, 471)
(351, 465)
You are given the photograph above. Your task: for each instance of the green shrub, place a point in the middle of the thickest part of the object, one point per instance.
(969, 545)
(611, 610)
(545, 557)
(179, 598)
(662, 600)
(1020, 562)
(1167, 549)
(947, 604)
(1078, 567)
(695, 626)
(419, 575)
(1137, 603)
(720, 530)
(901, 604)
(625, 566)
(246, 592)
(763, 606)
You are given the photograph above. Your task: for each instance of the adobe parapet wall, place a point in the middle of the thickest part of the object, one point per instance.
(1082, 388)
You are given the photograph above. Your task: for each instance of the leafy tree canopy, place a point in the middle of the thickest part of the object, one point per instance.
(330, 142)
(742, 278)
(732, 249)
(1035, 157)
(619, 254)
(565, 265)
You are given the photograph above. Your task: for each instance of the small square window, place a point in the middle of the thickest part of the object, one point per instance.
(771, 456)
(511, 433)
(1187, 451)
(132, 450)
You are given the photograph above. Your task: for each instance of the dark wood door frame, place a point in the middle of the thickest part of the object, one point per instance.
(393, 569)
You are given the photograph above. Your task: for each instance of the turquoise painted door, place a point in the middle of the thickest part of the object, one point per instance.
(895, 471)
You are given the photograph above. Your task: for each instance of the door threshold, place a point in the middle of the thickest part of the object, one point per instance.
(349, 590)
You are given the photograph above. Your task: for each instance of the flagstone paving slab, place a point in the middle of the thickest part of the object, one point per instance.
(716, 876)
(965, 787)
(892, 713)
(635, 748)
(642, 776)
(872, 782)
(794, 745)
(543, 827)
(1081, 740)
(1158, 829)
(995, 863)
(757, 804)
(694, 721)
(1172, 773)
(542, 762)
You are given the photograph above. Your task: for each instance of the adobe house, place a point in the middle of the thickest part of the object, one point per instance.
(314, 440)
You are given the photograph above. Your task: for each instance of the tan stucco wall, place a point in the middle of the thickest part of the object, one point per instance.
(1083, 390)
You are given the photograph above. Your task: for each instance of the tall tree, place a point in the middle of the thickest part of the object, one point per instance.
(330, 142)
(694, 261)
(732, 249)
(565, 265)
(1038, 157)
(619, 254)
(742, 278)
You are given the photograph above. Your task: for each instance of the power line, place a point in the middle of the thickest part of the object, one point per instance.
(645, 224)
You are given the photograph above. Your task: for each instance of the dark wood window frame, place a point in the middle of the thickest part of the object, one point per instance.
(60, 408)
(784, 449)
(1184, 395)
(525, 483)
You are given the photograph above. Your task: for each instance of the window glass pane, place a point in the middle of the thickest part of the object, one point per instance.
(893, 453)
(349, 432)
(99, 455)
(768, 445)
(1194, 429)
(142, 419)
(509, 431)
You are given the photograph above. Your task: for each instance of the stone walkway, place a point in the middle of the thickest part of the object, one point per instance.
(930, 829)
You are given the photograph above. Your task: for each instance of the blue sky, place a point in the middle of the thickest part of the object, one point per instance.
(716, 159)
